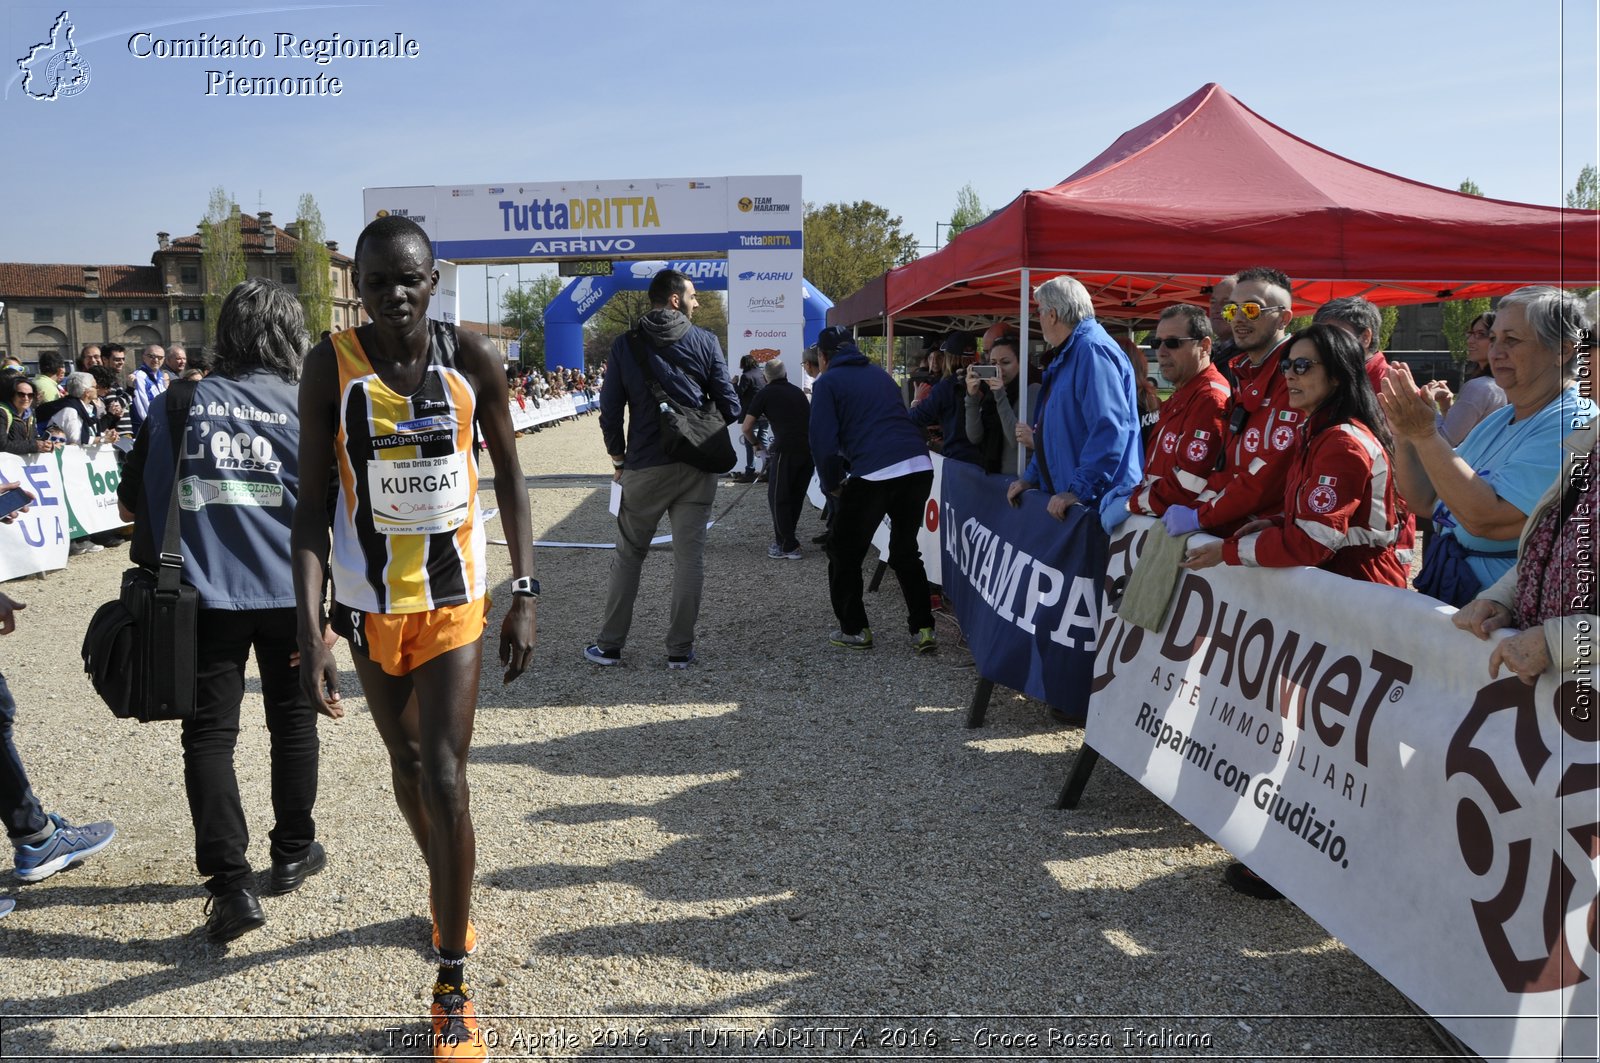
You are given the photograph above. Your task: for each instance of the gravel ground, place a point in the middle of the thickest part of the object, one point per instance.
(787, 850)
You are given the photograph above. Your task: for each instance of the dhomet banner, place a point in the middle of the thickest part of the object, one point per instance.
(1027, 589)
(1345, 741)
(544, 220)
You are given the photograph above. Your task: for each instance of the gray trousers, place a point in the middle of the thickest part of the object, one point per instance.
(684, 494)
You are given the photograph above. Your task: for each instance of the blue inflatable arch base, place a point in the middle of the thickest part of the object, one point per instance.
(580, 300)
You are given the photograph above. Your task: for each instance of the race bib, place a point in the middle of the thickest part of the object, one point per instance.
(419, 496)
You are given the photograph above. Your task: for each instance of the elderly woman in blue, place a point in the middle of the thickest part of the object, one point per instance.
(1481, 493)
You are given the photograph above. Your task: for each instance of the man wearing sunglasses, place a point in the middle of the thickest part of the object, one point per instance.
(1263, 428)
(1183, 451)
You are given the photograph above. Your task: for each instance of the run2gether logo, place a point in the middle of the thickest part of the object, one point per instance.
(54, 69)
(1525, 774)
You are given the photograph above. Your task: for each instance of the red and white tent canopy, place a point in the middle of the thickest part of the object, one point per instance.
(1209, 187)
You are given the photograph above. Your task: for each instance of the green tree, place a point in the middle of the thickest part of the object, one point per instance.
(1585, 195)
(522, 313)
(1457, 314)
(1391, 318)
(848, 244)
(311, 266)
(969, 210)
(221, 255)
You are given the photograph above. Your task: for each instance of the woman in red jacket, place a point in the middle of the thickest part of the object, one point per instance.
(1339, 499)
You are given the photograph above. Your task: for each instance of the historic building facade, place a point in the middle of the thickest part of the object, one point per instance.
(57, 307)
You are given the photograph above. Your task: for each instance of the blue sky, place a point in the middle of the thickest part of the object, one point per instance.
(900, 103)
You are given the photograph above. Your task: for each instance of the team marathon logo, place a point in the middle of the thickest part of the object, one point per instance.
(1526, 775)
(54, 69)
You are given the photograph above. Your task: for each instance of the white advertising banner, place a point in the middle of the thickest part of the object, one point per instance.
(89, 478)
(526, 414)
(37, 540)
(540, 220)
(446, 302)
(1345, 741)
(765, 312)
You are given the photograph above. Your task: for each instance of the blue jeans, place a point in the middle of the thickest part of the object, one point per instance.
(24, 817)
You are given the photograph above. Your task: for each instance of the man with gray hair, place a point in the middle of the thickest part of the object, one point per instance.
(789, 465)
(149, 380)
(1364, 321)
(1086, 429)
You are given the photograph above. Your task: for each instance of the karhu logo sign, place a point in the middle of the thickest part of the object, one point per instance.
(1525, 828)
(54, 69)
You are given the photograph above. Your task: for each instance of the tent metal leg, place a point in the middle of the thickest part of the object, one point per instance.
(978, 707)
(1078, 778)
(877, 576)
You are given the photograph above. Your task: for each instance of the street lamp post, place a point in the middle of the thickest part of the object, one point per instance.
(489, 317)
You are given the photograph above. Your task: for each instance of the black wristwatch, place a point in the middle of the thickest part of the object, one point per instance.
(525, 587)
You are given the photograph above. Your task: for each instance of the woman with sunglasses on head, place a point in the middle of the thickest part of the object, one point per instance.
(1480, 493)
(1480, 395)
(1338, 499)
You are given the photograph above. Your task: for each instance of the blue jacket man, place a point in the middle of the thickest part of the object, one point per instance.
(872, 459)
(1086, 430)
(688, 363)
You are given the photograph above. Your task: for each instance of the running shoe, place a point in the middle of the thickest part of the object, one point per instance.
(455, 1027)
(66, 846)
(863, 641)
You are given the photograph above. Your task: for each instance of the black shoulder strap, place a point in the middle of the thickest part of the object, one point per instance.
(179, 397)
(636, 345)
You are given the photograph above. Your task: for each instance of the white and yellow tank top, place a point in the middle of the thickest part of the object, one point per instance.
(407, 536)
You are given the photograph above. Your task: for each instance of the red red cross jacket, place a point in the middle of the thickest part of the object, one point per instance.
(1184, 448)
(1250, 486)
(1339, 510)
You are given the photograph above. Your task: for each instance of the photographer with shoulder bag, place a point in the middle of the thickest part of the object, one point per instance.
(227, 468)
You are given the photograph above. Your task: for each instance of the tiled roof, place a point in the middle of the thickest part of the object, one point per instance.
(50, 280)
(251, 236)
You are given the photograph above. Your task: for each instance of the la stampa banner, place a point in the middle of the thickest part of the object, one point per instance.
(1026, 588)
(1346, 742)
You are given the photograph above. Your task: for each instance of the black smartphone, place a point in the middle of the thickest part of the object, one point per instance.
(13, 500)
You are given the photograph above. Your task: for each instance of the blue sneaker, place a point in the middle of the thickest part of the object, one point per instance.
(66, 846)
(605, 658)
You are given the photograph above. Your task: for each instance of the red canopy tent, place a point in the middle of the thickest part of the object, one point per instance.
(1208, 187)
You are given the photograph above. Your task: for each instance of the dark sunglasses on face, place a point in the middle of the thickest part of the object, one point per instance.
(1477, 334)
(1249, 308)
(24, 394)
(1297, 366)
(1171, 343)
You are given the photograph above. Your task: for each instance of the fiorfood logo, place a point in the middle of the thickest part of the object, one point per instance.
(54, 69)
(1512, 761)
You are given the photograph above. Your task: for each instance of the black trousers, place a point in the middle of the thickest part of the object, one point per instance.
(788, 476)
(225, 638)
(860, 509)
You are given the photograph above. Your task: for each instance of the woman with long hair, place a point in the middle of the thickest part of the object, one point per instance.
(244, 447)
(1339, 499)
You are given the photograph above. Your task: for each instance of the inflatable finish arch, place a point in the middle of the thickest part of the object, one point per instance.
(580, 300)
